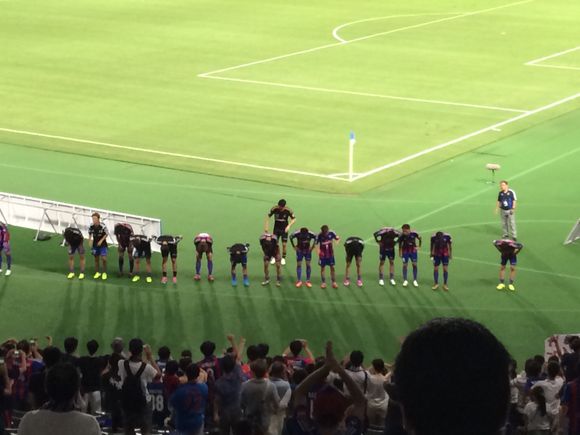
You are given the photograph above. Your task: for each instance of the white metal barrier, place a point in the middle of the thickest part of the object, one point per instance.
(54, 217)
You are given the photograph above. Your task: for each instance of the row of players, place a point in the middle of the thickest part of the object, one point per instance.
(303, 241)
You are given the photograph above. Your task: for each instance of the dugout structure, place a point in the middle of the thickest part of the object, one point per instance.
(574, 234)
(49, 216)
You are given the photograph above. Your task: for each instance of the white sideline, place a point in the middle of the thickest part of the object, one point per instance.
(335, 31)
(365, 94)
(170, 154)
(363, 38)
(467, 136)
(575, 68)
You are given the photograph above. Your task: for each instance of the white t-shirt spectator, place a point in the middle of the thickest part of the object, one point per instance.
(146, 377)
(44, 421)
(361, 377)
(535, 419)
(377, 397)
(551, 389)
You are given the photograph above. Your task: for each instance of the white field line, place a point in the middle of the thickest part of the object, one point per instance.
(364, 94)
(543, 65)
(363, 38)
(335, 31)
(551, 56)
(170, 154)
(467, 136)
(480, 192)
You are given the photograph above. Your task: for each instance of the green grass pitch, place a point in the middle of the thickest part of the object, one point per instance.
(192, 113)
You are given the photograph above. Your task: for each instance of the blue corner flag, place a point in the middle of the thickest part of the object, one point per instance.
(352, 138)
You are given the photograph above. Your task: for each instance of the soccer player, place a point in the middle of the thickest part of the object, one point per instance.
(354, 247)
(5, 247)
(409, 242)
(239, 255)
(98, 234)
(141, 249)
(281, 215)
(168, 247)
(325, 240)
(387, 238)
(74, 239)
(269, 244)
(441, 252)
(509, 250)
(124, 232)
(303, 241)
(203, 245)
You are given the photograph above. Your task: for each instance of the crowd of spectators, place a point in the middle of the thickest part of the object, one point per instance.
(451, 377)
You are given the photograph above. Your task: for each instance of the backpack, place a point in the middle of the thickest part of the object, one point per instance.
(132, 396)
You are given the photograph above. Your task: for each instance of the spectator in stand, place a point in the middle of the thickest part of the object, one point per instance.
(4, 395)
(515, 418)
(571, 404)
(377, 397)
(170, 379)
(91, 367)
(118, 347)
(36, 390)
(570, 360)
(330, 405)
(525, 381)
(188, 404)
(354, 368)
(59, 416)
(70, 347)
(163, 357)
(19, 366)
(294, 359)
(552, 386)
(227, 407)
(278, 378)
(253, 354)
(135, 373)
(451, 378)
(538, 419)
(259, 398)
(111, 382)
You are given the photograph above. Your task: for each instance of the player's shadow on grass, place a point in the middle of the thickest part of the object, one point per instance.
(173, 318)
(71, 314)
(3, 289)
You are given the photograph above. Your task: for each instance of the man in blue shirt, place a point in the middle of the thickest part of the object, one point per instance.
(506, 206)
(189, 402)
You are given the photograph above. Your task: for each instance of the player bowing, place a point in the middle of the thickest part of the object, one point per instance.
(123, 233)
(387, 239)
(325, 240)
(509, 250)
(303, 242)
(271, 250)
(5, 248)
(283, 219)
(409, 242)
(168, 248)
(441, 252)
(141, 249)
(354, 247)
(239, 255)
(73, 238)
(203, 245)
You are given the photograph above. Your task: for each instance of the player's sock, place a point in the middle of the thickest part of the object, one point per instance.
(209, 267)
(233, 276)
(198, 266)
(299, 273)
(0, 261)
(8, 261)
(511, 281)
(502, 280)
(174, 273)
(164, 274)
(121, 261)
(359, 277)
(415, 273)
(381, 276)
(131, 265)
(391, 275)
(436, 276)
(308, 272)
(445, 276)
(405, 273)
(322, 278)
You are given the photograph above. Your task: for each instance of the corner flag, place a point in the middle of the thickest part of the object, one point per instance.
(352, 138)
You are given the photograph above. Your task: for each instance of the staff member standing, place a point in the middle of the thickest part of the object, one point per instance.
(506, 206)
